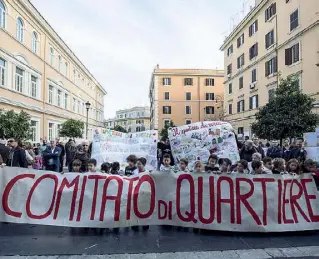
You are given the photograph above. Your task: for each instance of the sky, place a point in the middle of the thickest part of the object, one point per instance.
(121, 41)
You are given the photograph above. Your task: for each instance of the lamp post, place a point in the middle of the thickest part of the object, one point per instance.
(87, 104)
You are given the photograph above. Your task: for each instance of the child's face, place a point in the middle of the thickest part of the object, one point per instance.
(293, 167)
(198, 168)
(212, 162)
(131, 163)
(182, 165)
(91, 167)
(167, 161)
(224, 167)
(268, 165)
(259, 170)
(256, 158)
(76, 168)
(240, 168)
(139, 165)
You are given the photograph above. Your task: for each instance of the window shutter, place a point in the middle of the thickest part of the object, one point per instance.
(243, 105)
(288, 56)
(238, 106)
(250, 103)
(213, 96)
(238, 42)
(256, 25)
(243, 60)
(266, 69)
(169, 109)
(213, 81)
(257, 105)
(274, 8)
(250, 30)
(275, 64)
(257, 49)
(206, 81)
(213, 109)
(243, 38)
(163, 109)
(206, 96)
(267, 40)
(184, 81)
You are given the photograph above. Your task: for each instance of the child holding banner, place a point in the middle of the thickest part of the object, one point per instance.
(212, 164)
(140, 163)
(242, 167)
(166, 166)
(131, 160)
(183, 163)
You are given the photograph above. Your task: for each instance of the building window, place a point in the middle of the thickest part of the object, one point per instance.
(51, 126)
(292, 55)
(166, 81)
(209, 96)
(73, 105)
(34, 130)
(241, 61)
(188, 109)
(138, 129)
(230, 88)
(230, 50)
(210, 82)
(66, 69)
(241, 106)
(253, 28)
(65, 101)
(240, 40)
(51, 56)
(34, 42)
(253, 51)
(59, 98)
(240, 130)
(20, 30)
(78, 107)
(166, 96)
(241, 82)
(270, 12)
(19, 79)
(229, 69)
(270, 39)
(2, 71)
(253, 102)
(230, 108)
(254, 75)
(167, 110)
(74, 76)
(2, 15)
(188, 122)
(60, 63)
(167, 122)
(271, 95)
(188, 96)
(34, 82)
(209, 109)
(188, 81)
(271, 66)
(50, 94)
(294, 20)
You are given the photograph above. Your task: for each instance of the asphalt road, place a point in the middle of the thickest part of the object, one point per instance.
(31, 240)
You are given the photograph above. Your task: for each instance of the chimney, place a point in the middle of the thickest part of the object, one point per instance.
(157, 66)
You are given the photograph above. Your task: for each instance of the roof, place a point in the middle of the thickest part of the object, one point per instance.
(181, 71)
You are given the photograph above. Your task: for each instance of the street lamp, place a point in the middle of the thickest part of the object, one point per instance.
(87, 104)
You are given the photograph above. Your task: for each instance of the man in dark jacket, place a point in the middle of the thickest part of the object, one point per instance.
(17, 157)
(4, 151)
(247, 151)
(259, 147)
(60, 145)
(83, 155)
(298, 152)
(274, 151)
(51, 157)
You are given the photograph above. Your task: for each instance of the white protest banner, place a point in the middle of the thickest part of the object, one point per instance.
(234, 202)
(113, 146)
(198, 140)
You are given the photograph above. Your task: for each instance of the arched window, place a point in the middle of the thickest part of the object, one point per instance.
(2, 15)
(60, 63)
(66, 68)
(34, 42)
(20, 30)
(51, 56)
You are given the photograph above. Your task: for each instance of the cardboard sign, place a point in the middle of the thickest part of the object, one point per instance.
(234, 202)
(113, 146)
(198, 140)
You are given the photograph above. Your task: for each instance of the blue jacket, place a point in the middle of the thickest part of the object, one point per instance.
(52, 158)
(274, 152)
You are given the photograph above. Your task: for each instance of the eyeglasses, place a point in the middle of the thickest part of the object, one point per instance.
(10, 141)
(85, 145)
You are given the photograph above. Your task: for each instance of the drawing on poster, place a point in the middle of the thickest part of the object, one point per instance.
(199, 140)
(113, 146)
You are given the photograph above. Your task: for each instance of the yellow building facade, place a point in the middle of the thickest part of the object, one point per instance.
(276, 39)
(185, 96)
(41, 75)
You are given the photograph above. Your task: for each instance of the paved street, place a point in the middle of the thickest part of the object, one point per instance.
(157, 242)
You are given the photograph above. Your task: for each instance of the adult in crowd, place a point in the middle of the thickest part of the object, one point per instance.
(274, 151)
(70, 151)
(51, 156)
(43, 147)
(259, 147)
(298, 152)
(60, 145)
(4, 152)
(247, 151)
(17, 155)
(83, 155)
(164, 147)
(286, 150)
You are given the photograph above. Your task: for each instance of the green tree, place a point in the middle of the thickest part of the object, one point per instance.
(289, 114)
(120, 129)
(164, 131)
(16, 125)
(72, 129)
